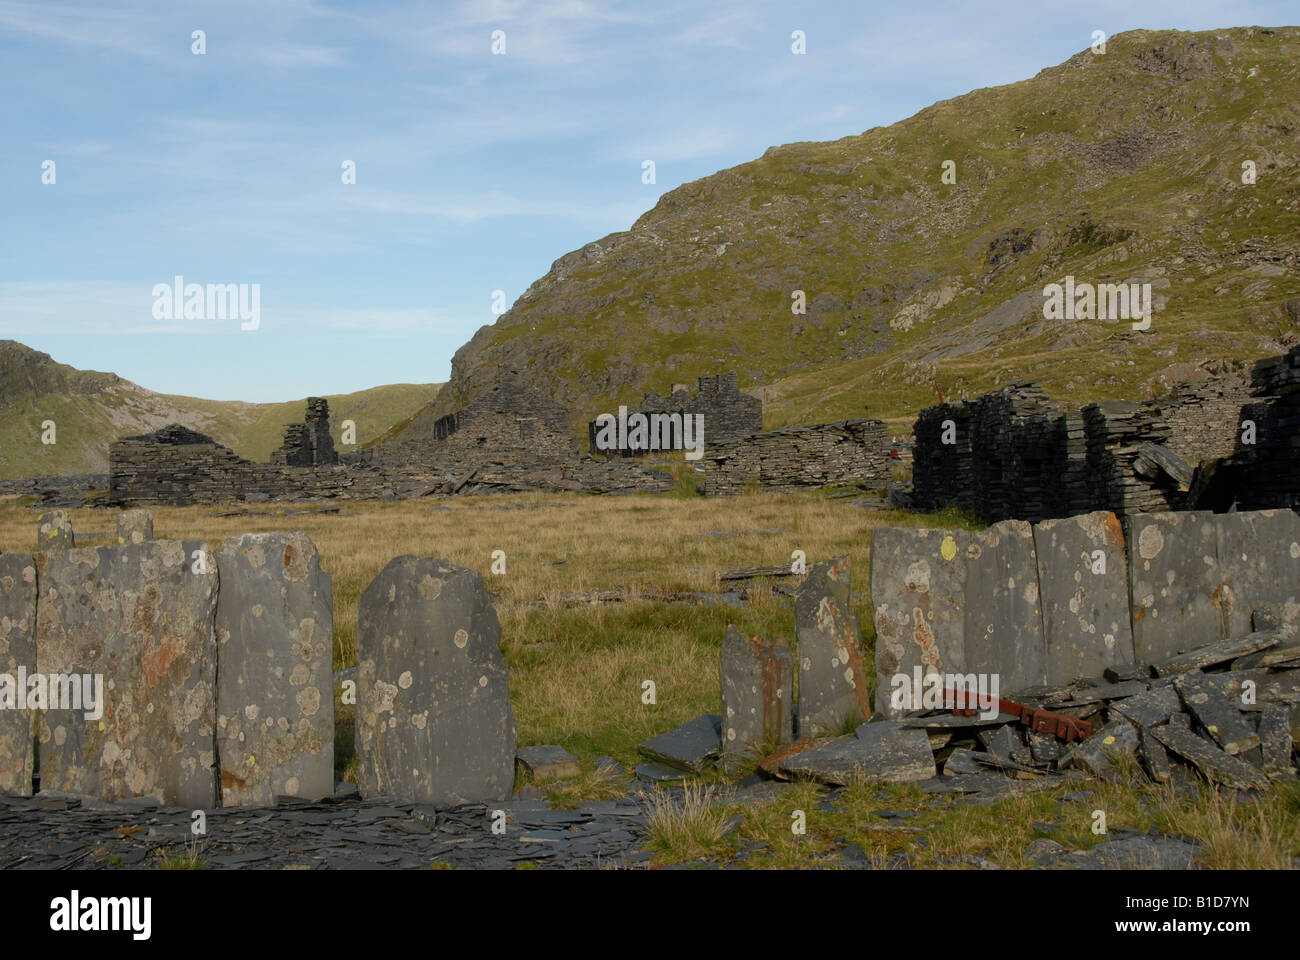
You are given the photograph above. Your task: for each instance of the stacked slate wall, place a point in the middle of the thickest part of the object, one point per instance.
(852, 452)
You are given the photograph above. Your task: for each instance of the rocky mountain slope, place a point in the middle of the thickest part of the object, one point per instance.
(92, 409)
(1123, 166)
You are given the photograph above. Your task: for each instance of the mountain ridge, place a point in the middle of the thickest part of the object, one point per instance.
(1113, 167)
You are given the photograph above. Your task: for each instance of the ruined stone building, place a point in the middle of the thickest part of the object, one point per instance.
(511, 421)
(728, 413)
(176, 465)
(308, 444)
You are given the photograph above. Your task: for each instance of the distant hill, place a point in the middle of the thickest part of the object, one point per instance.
(92, 409)
(1121, 166)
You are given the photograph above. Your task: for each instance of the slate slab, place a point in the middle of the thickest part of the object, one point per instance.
(1086, 625)
(1259, 567)
(757, 679)
(1173, 572)
(1150, 708)
(1213, 763)
(141, 616)
(1100, 751)
(1206, 700)
(833, 685)
(918, 586)
(134, 527)
(275, 689)
(547, 762)
(54, 532)
(881, 750)
(693, 746)
(1275, 740)
(433, 719)
(1154, 757)
(1004, 624)
(1216, 653)
(17, 658)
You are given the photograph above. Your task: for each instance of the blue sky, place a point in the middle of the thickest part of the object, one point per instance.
(474, 171)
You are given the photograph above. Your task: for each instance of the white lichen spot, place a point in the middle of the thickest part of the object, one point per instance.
(482, 681)
(392, 592)
(258, 609)
(731, 733)
(461, 638)
(308, 701)
(291, 786)
(430, 587)
(420, 720)
(1295, 550)
(405, 680)
(300, 675)
(251, 711)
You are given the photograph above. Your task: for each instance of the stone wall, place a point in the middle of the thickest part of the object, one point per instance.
(851, 452)
(1014, 455)
(177, 466)
(133, 702)
(1045, 604)
(200, 676)
(728, 413)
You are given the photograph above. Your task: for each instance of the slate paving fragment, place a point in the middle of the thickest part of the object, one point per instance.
(1150, 708)
(693, 746)
(881, 750)
(547, 762)
(1275, 740)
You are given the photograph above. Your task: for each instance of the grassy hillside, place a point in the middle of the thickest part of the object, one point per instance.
(92, 409)
(1114, 167)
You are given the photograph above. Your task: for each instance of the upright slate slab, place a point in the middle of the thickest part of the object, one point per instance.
(1259, 567)
(832, 674)
(134, 526)
(140, 616)
(54, 532)
(1086, 625)
(918, 585)
(757, 679)
(17, 658)
(1173, 571)
(1004, 623)
(275, 697)
(433, 721)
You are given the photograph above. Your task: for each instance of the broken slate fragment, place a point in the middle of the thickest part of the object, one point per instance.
(1099, 753)
(1153, 755)
(659, 773)
(1275, 740)
(1213, 763)
(883, 750)
(832, 676)
(693, 746)
(1216, 653)
(1209, 704)
(547, 762)
(757, 692)
(1148, 709)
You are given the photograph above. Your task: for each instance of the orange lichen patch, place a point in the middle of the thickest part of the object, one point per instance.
(158, 661)
(924, 637)
(1114, 531)
(771, 764)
